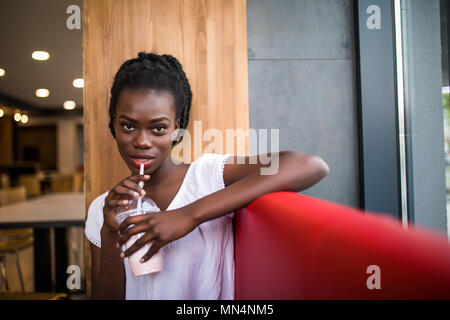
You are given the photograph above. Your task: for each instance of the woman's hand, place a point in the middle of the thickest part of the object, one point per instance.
(159, 227)
(118, 196)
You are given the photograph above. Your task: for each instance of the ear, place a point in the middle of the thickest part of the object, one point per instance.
(175, 132)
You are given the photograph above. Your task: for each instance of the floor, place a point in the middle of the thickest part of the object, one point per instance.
(76, 257)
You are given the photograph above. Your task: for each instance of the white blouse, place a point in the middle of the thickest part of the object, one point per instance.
(198, 266)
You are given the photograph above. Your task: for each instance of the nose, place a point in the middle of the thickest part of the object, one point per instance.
(142, 140)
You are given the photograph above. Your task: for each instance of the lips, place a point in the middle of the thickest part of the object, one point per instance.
(144, 159)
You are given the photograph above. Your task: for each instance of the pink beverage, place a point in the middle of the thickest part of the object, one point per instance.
(154, 264)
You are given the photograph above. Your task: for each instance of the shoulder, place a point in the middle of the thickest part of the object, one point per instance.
(95, 211)
(94, 221)
(209, 167)
(212, 157)
(213, 160)
(98, 202)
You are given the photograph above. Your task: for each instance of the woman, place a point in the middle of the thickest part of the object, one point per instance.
(150, 105)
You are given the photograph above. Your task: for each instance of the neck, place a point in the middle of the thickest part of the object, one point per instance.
(162, 173)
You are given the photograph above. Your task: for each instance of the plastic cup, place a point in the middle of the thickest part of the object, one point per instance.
(154, 264)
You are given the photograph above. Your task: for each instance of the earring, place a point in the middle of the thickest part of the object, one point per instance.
(175, 135)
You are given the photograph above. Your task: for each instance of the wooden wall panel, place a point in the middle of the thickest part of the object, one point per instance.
(207, 36)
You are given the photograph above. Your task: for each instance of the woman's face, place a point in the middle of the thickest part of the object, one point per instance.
(144, 124)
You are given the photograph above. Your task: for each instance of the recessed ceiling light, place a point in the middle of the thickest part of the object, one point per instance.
(24, 118)
(69, 105)
(17, 116)
(42, 93)
(2, 113)
(78, 83)
(40, 55)
(2, 72)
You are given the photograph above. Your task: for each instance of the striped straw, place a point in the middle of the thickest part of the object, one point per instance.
(141, 184)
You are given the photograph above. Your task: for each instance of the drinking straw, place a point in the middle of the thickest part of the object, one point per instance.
(141, 184)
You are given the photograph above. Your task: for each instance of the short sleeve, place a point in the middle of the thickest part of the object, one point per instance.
(94, 221)
(217, 166)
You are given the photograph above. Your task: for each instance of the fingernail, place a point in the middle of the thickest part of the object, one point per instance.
(125, 201)
(142, 260)
(122, 255)
(117, 245)
(143, 192)
(147, 176)
(136, 195)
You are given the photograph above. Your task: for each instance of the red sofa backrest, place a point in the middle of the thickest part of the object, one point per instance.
(292, 246)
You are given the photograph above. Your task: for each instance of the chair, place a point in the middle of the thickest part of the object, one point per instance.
(61, 183)
(11, 195)
(13, 247)
(78, 181)
(4, 180)
(32, 296)
(32, 184)
(13, 240)
(292, 246)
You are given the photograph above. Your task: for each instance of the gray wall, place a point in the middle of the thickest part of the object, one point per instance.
(422, 40)
(302, 80)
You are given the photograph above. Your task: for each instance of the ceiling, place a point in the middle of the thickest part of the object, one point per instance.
(30, 25)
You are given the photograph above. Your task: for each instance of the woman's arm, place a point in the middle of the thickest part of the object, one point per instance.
(244, 183)
(95, 271)
(108, 271)
(108, 275)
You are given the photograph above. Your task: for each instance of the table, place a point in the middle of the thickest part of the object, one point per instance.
(47, 215)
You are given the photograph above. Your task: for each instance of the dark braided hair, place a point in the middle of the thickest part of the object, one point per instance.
(162, 73)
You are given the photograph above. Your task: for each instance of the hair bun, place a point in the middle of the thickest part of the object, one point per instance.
(142, 55)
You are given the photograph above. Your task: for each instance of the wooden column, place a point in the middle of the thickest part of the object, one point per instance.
(207, 36)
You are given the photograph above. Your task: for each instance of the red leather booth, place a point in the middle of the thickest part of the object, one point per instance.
(292, 246)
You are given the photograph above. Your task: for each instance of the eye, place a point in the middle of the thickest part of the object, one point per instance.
(127, 126)
(159, 129)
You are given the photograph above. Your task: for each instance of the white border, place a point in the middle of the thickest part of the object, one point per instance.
(401, 110)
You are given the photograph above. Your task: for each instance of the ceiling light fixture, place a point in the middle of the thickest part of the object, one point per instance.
(24, 118)
(69, 105)
(2, 113)
(40, 55)
(42, 93)
(2, 72)
(17, 116)
(78, 83)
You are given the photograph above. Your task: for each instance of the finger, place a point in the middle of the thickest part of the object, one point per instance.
(156, 245)
(137, 177)
(117, 202)
(132, 220)
(121, 191)
(113, 200)
(138, 244)
(128, 233)
(111, 195)
(114, 225)
(133, 186)
(124, 197)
